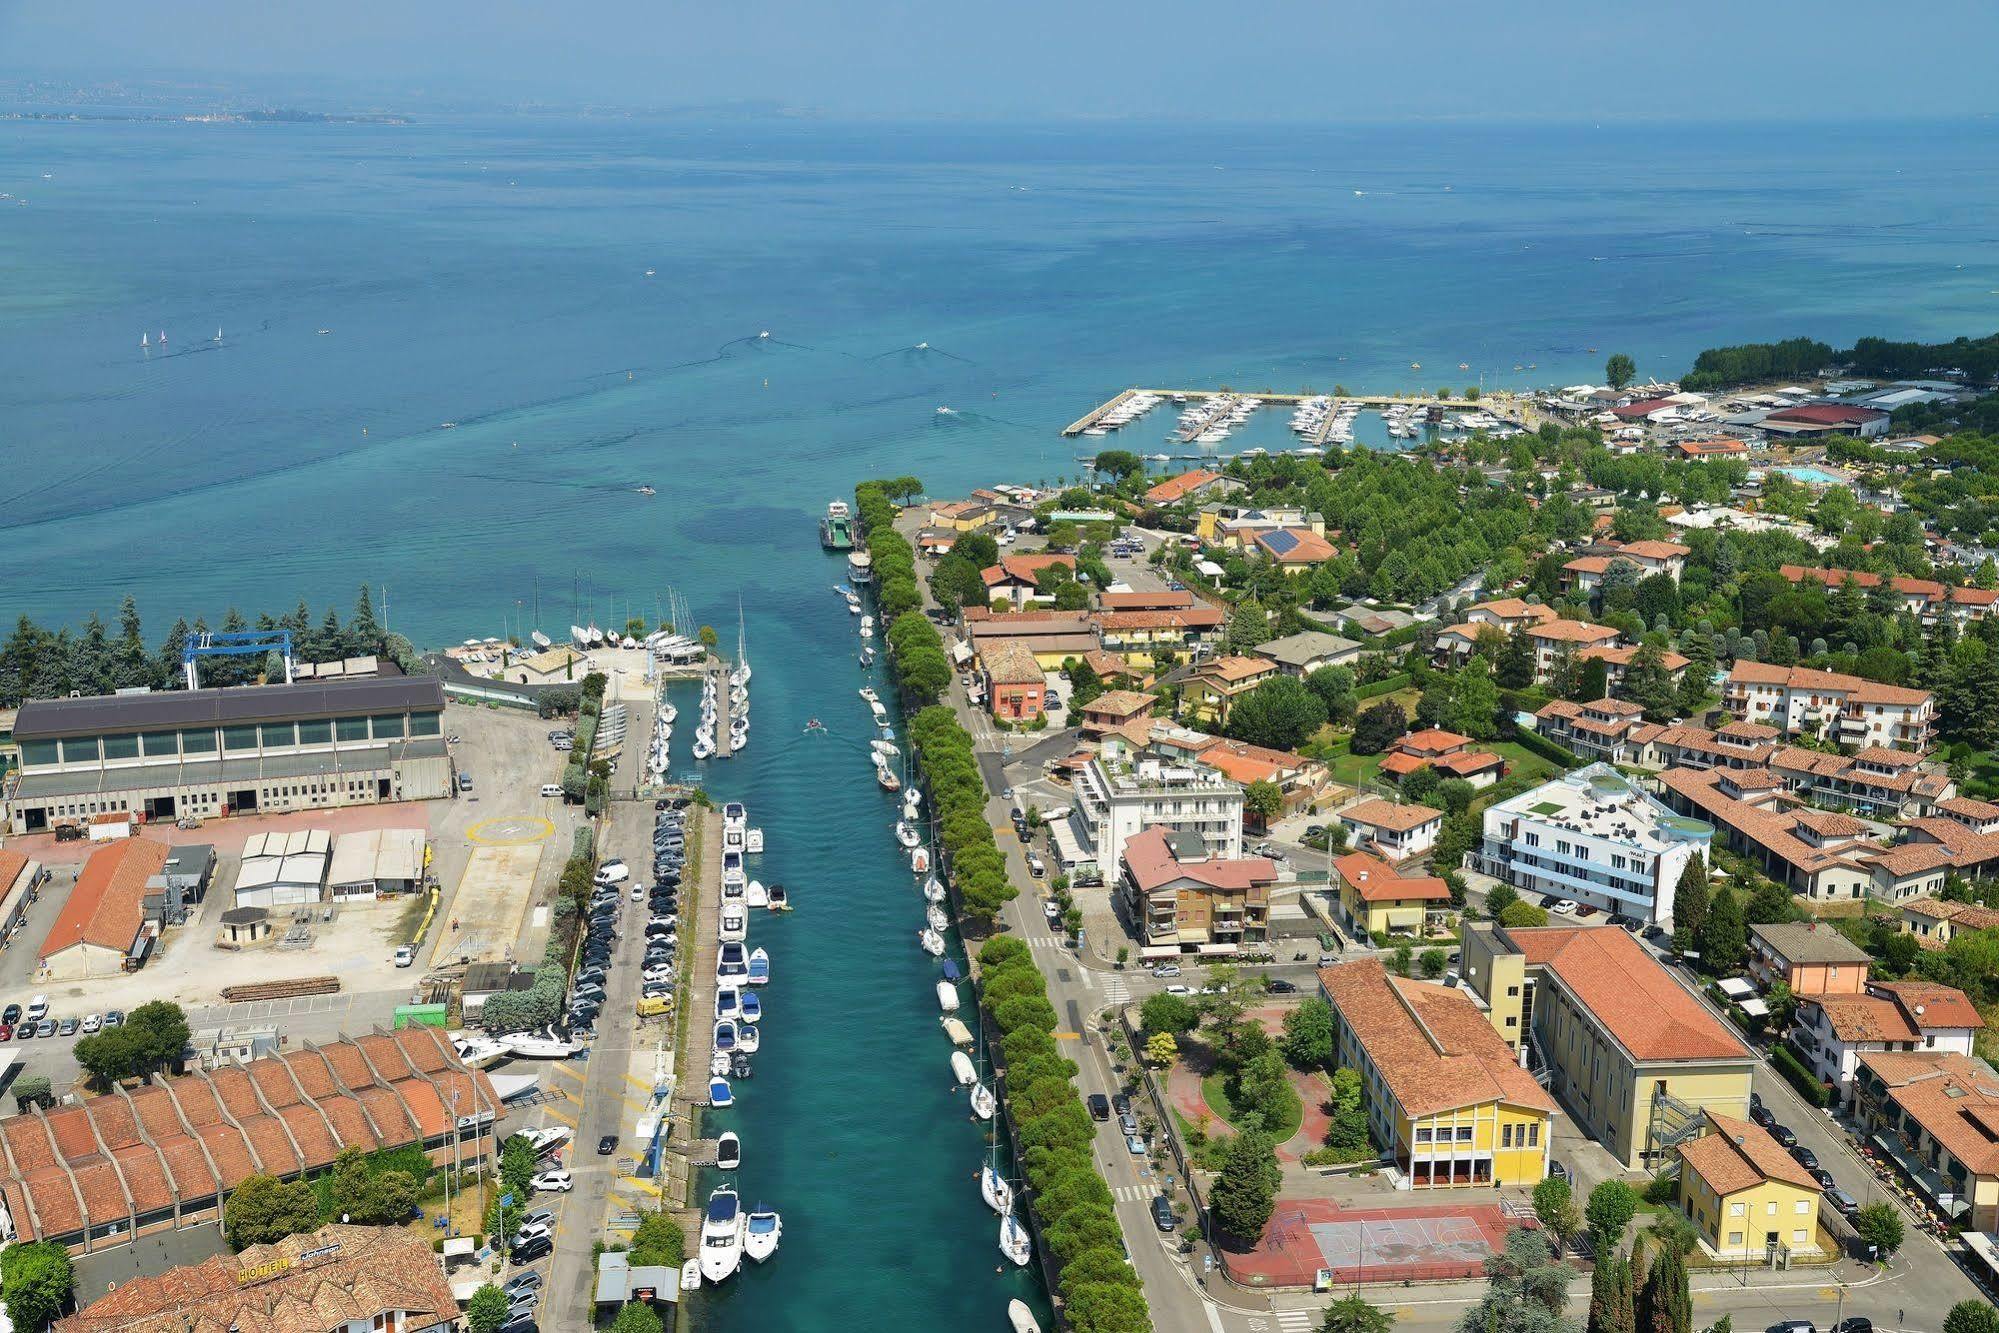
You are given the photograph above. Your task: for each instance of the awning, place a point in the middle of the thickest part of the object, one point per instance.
(1932, 1184)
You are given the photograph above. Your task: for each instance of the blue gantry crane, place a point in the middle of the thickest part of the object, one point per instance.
(235, 643)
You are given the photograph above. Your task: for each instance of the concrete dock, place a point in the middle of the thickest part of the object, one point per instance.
(1274, 400)
(719, 673)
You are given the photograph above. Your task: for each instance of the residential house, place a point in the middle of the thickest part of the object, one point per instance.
(1629, 1049)
(1443, 1093)
(1054, 637)
(961, 516)
(1594, 838)
(1831, 705)
(1294, 549)
(1720, 447)
(1174, 634)
(1182, 899)
(1747, 1197)
(1161, 599)
(1016, 690)
(1302, 654)
(1617, 663)
(1926, 599)
(1810, 957)
(1555, 639)
(1235, 528)
(1509, 614)
(1376, 899)
(1832, 1032)
(1187, 486)
(1609, 729)
(1397, 831)
(1452, 755)
(1114, 708)
(1212, 687)
(1015, 579)
(1935, 921)
(1646, 558)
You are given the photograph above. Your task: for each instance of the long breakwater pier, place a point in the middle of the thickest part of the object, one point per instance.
(1183, 396)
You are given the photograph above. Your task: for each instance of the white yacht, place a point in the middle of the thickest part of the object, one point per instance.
(1021, 1318)
(947, 997)
(728, 1151)
(728, 1002)
(725, 1035)
(1014, 1242)
(718, 1065)
(754, 841)
(983, 1103)
(756, 895)
(932, 942)
(721, 1236)
(541, 1046)
(906, 835)
(935, 918)
(761, 1233)
(993, 1187)
(962, 1071)
(912, 801)
(759, 968)
(478, 1052)
(735, 925)
(933, 889)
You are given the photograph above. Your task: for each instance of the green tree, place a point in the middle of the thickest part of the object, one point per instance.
(37, 1280)
(264, 1209)
(1724, 937)
(1620, 370)
(1783, 1002)
(1555, 1206)
(33, 1090)
(1612, 1303)
(1431, 963)
(1335, 686)
(1690, 904)
(1280, 714)
(1308, 1035)
(1168, 1013)
(1611, 1207)
(487, 1310)
(637, 1317)
(1263, 800)
(658, 1240)
(1351, 1314)
(1245, 1190)
(1248, 625)
(1475, 702)
(1665, 1305)
(1379, 727)
(1971, 1317)
(1515, 668)
(1161, 1049)
(162, 1034)
(1879, 1225)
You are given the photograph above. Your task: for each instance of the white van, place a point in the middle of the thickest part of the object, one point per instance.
(551, 789)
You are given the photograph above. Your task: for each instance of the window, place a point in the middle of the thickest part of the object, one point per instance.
(1770, 1209)
(426, 724)
(278, 733)
(1735, 1238)
(124, 745)
(1422, 1136)
(1800, 1236)
(1534, 1135)
(201, 741)
(1512, 992)
(80, 750)
(315, 733)
(1736, 1210)
(239, 739)
(160, 743)
(36, 753)
(351, 729)
(1802, 1207)
(1506, 1136)
(1464, 1133)
(387, 726)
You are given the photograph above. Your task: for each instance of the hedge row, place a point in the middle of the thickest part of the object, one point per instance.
(894, 559)
(958, 804)
(1536, 743)
(916, 655)
(1401, 680)
(1053, 1135)
(1806, 1082)
(576, 773)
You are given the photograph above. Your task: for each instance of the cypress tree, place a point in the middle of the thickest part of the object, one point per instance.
(1690, 903)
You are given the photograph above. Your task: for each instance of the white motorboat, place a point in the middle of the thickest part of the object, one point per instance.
(728, 1151)
(933, 889)
(867, 692)
(961, 1069)
(725, 1034)
(755, 840)
(919, 860)
(906, 835)
(932, 942)
(755, 895)
(885, 748)
(721, 1236)
(935, 916)
(1014, 1242)
(994, 1189)
(690, 1276)
(759, 967)
(1022, 1318)
(983, 1103)
(749, 1037)
(762, 1232)
(478, 1052)
(947, 996)
(735, 925)
(780, 900)
(539, 1046)
(960, 1035)
(718, 1064)
(719, 1092)
(728, 1002)
(753, 1007)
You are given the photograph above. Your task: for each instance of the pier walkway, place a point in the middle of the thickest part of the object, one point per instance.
(1084, 423)
(719, 673)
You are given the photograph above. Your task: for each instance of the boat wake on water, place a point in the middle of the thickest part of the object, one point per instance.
(920, 351)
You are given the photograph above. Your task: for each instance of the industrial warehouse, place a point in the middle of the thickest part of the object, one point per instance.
(206, 753)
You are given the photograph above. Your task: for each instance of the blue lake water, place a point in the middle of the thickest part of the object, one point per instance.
(492, 275)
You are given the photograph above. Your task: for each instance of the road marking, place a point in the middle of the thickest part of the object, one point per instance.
(564, 1067)
(1214, 1320)
(1115, 989)
(1296, 1321)
(640, 1084)
(1068, 1036)
(1089, 980)
(555, 1114)
(510, 831)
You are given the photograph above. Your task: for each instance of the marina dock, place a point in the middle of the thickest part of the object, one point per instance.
(1375, 400)
(723, 748)
(1092, 418)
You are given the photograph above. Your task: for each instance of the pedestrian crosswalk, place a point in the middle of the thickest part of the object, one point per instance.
(1043, 942)
(1115, 989)
(1295, 1321)
(1132, 1193)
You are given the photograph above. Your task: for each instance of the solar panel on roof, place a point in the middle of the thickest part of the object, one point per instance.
(1281, 542)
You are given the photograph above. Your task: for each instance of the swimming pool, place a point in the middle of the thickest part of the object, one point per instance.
(1812, 476)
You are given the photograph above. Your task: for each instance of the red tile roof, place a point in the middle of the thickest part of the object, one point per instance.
(1376, 881)
(1149, 859)
(107, 906)
(1180, 487)
(1739, 1155)
(1637, 1001)
(1191, 617)
(1377, 813)
(1023, 568)
(1827, 414)
(1163, 600)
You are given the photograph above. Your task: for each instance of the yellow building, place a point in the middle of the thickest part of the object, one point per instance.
(1630, 1052)
(1443, 1093)
(1376, 900)
(961, 516)
(1215, 686)
(1744, 1194)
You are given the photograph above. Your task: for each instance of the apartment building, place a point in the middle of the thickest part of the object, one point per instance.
(1214, 686)
(1377, 899)
(1926, 599)
(1592, 837)
(1833, 1032)
(1831, 706)
(1184, 900)
(1119, 795)
(1934, 922)
(1810, 957)
(1875, 780)
(1586, 572)
(1934, 1112)
(1627, 1049)
(1746, 1196)
(1556, 639)
(1397, 831)
(1442, 1090)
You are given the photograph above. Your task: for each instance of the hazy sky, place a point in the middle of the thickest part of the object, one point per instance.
(1177, 59)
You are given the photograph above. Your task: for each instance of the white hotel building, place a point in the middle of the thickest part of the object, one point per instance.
(1592, 837)
(1117, 798)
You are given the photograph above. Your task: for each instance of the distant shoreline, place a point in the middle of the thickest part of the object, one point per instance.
(280, 116)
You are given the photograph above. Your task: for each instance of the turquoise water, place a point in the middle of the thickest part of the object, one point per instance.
(492, 275)
(1811, 475)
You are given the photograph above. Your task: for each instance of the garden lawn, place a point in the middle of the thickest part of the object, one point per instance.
(1217, 1098)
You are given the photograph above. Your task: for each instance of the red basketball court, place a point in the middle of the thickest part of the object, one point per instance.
(1418, 1243)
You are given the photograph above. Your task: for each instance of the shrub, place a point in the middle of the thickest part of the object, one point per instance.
(1801, 1078)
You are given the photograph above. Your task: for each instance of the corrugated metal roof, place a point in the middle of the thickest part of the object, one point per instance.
(43, 718)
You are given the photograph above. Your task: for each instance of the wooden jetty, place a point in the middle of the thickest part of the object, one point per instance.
(723, 749)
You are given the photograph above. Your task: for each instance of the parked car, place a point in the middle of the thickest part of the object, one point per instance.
(1806, 1157)
(1843, 1203)
(1763, 1116)
(1824, 1178)
(1128, 1123)
(1279, 986)
(1162, 1213)
(528, 1281)
(38, 1008)
(1100, 1106)
(6, 1032)
(114, 1018)
(526, 1252)
(553, 1182)
(1166, 970)
(10, 1015)
(1783, 1134)
(611, 872)
(1121, 1103)
(66, 1028)
(607, 1145)
(1134, 1145)
(405, 956)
